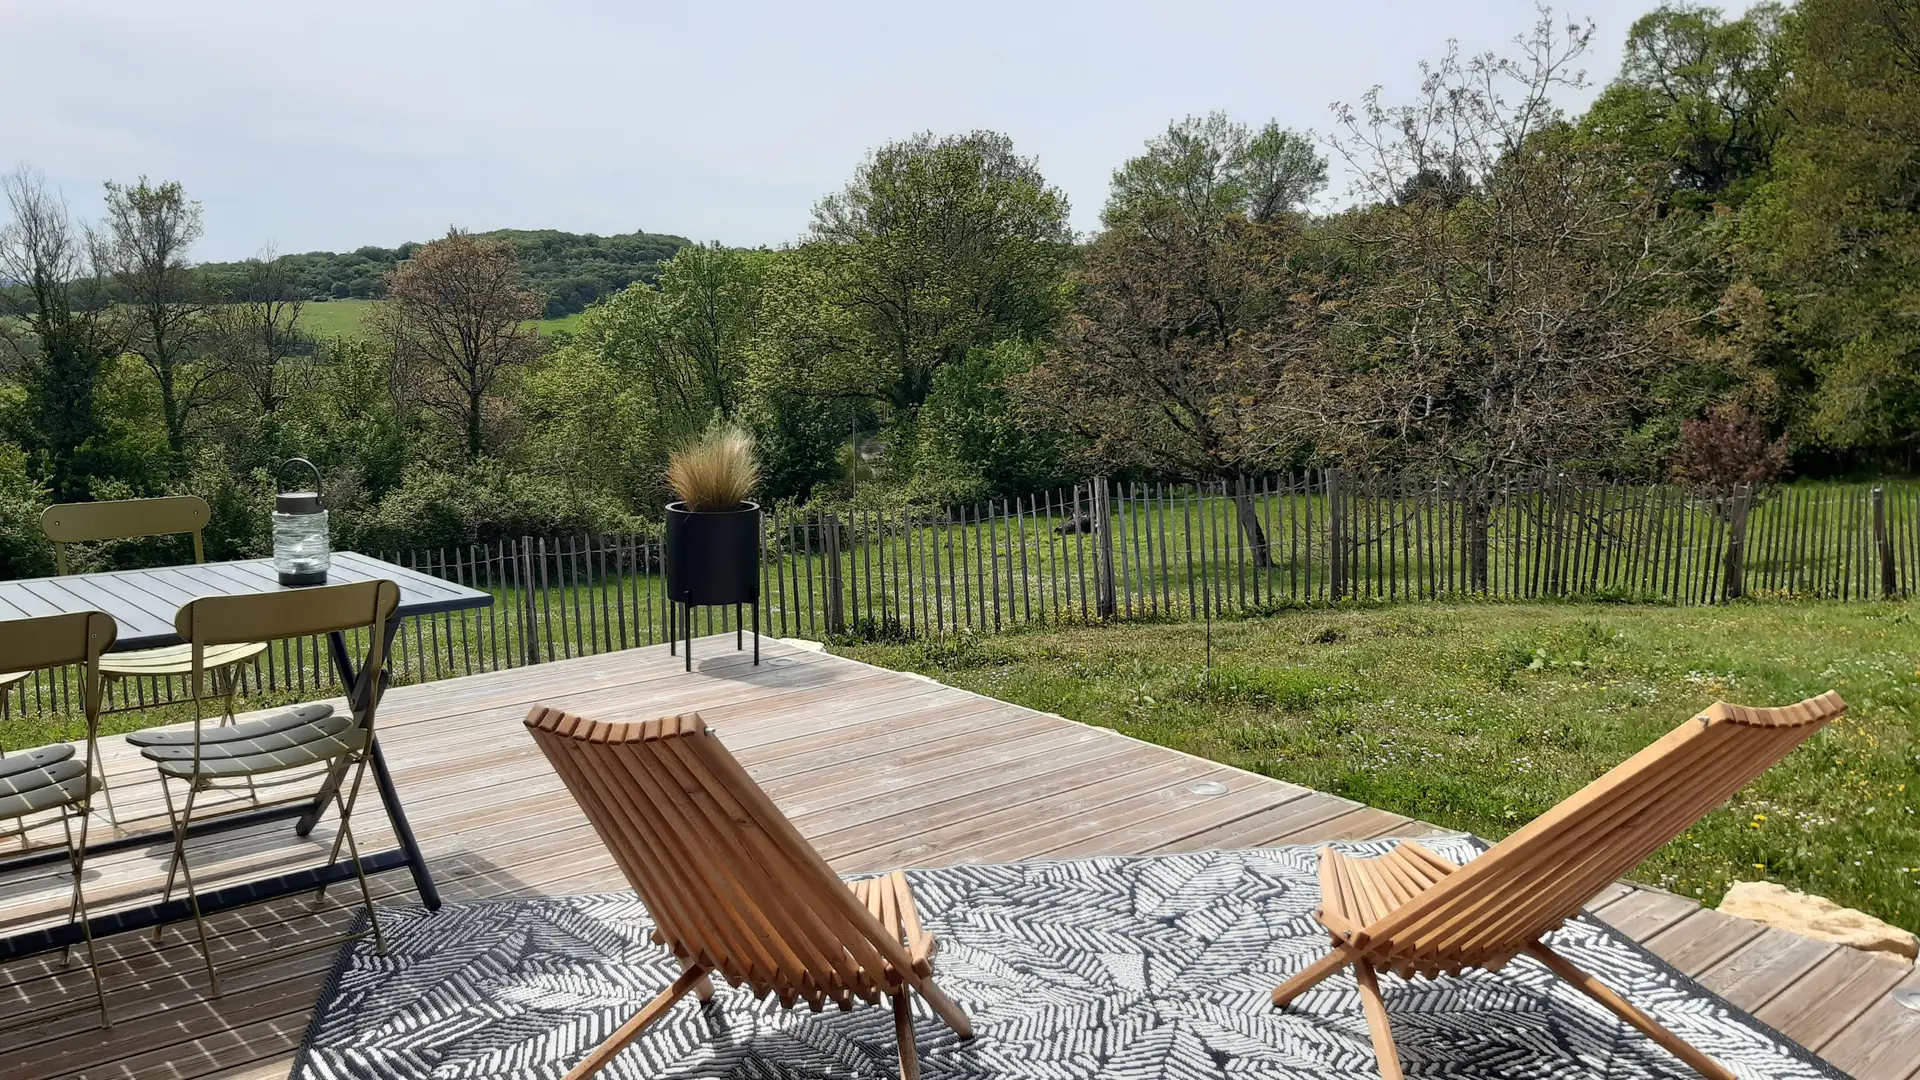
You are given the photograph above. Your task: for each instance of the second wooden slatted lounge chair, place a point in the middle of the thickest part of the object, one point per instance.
(1414, 913)
(733, 887)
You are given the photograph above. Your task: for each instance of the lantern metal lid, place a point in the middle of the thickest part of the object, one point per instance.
(299, 502)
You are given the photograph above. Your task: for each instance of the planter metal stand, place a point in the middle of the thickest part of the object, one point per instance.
(713, 560)
(680, 613)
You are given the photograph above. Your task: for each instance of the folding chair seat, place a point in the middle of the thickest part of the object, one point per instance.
(296, 725)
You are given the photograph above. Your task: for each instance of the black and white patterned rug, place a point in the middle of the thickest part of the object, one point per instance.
(1124, 968)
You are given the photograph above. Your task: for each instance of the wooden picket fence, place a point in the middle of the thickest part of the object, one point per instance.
(1104, 550)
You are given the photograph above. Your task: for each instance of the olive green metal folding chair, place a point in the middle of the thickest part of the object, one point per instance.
(126, 519)
(206, 759)
(54, 778)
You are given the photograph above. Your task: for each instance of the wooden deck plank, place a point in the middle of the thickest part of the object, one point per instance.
(879, 768)
(1643, 913)
(1883, 1040)
(1826, 1000)
(1699, 942)
(1758, 971)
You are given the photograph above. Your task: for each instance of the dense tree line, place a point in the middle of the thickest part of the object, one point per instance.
(570, 270)
(1708, 274)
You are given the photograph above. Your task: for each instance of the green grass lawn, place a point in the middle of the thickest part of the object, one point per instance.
(341, 318)
(1480, 716)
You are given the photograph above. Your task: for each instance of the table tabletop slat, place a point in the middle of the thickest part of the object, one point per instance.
(144, 601)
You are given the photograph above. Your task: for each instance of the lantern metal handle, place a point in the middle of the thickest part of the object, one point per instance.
(277, 473)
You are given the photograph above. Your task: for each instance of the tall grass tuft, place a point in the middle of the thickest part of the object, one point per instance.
(715, 472)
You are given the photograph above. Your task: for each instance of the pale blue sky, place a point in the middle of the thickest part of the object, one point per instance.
(329, 124)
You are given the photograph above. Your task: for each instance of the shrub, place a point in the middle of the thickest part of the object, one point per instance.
(23, 550)
(1728, 446)
(478, 503)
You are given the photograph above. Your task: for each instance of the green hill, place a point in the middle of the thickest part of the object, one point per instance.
(571, 269)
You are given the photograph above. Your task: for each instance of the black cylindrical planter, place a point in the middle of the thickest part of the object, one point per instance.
(713, 558)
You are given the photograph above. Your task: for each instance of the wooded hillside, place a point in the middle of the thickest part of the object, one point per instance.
(571, 270)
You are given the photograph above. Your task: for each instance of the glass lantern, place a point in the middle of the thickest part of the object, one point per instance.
(301, 554)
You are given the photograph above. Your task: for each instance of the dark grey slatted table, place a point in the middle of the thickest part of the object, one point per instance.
(144, 603)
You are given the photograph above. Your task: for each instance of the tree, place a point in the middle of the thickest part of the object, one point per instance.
(1514, 315)
(1699, 95)
(54, 294)
(688, 339)
(937, 247)
(1190, 307)
(458, 318)
(257, 330)
(973, 441)
(1204, 169)
(1835, 236)
(148, 231)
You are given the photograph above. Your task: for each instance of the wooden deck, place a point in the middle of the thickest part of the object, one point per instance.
(940, 776)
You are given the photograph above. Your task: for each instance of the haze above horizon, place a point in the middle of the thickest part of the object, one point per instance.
(331, 128)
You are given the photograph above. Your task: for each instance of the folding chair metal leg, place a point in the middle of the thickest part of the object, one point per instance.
(173, 856)
(77, 859)
(1626, 1010)
(181, 825)
(106, 793)
(330, 790)
(353, 852)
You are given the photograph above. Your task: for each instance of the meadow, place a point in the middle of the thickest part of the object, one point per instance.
(1479, 716)
(341, 318)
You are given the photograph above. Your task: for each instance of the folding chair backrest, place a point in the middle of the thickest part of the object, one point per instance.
(732, 885)
(52, 641)
(123, 519)
(291, 613)
(1538, 877)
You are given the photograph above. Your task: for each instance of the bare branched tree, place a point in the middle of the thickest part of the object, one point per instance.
(55, 335)
(256, 332)
(1517, 287)
(458, 315)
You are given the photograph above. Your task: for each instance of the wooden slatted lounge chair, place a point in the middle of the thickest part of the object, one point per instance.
(309, 735)
(1414, 913)
(125, 519)
(733, 887)
(53, 778)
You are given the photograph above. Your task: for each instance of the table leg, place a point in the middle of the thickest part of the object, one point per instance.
(357, 699)
(343, 667)
(416, 861)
